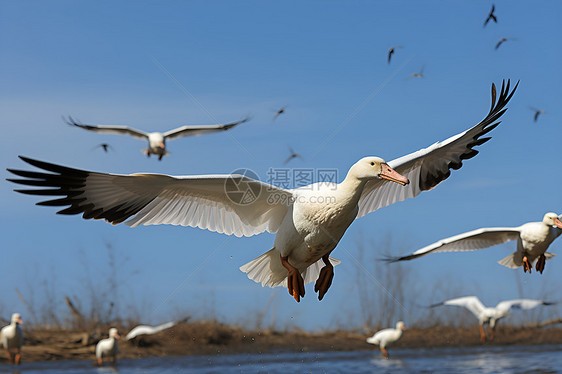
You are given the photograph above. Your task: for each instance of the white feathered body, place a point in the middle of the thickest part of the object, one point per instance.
(107, 348)
(312, 228)
(385, 337)
(11, 336)
(534, 240)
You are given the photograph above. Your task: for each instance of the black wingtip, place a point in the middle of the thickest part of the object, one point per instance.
(435, 305)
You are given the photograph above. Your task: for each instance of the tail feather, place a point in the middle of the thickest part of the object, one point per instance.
(268, 270)
(513, 261)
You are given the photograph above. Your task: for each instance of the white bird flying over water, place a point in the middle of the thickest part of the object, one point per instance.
(488, 315)
(309, 221)
(156, 140)
(533, 239)
(150, 330)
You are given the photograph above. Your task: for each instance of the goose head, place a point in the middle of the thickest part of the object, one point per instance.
(552, 219)
(375, 168)
(16, 318)
(400, 326)
(113, 333)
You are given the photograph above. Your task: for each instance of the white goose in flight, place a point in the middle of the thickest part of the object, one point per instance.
(151, 330)
(489, 315)
(387, 336)
(309, 221)
(533, 239)
(156, 140)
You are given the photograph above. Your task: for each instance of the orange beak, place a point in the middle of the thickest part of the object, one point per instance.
(393, 176)
(558, 223)
(404, 328)
(162, 145)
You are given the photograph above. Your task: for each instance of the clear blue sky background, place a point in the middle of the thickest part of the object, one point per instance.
(101, 62)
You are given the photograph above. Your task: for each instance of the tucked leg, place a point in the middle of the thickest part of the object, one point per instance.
(295, 283)
(325, 278)
(540, 263)
(482, 334)
(526, 265)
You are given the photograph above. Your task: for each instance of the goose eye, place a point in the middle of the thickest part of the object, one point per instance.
(372, 163)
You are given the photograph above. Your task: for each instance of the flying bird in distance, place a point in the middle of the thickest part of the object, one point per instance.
(156, 140)
(292, 156)
(106, 147)
(538, 112)
(491, 16)
(533, 239)
(309, 221)
(151, 330)
(417, 75)
(491, 315)
(391, 51)
(279, 112)
(502, 40)
(387, 336)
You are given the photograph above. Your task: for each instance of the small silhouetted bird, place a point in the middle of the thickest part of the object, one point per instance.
(491, 16)
(538, 112)
(391, 52)
(106, 147)
(417, 75)
(280, 111)
(292, 156)
(501, 41)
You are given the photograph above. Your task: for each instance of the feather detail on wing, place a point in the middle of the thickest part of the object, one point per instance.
(110, 129)
(194, 130)
(229, 204)
(468, 241)
(506, 305)
(430, 166)
(471, 303)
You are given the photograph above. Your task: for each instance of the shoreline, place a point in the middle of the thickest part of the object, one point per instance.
(211, 338)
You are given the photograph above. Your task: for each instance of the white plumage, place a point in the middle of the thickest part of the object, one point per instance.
(491, 315)
(11, 338)
(533, 239)
(156, 140)
(384, 338)
(309, 221)
(149, 330)
(108, 347)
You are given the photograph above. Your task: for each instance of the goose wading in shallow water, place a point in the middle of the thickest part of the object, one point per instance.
(309, 221)
(533, 239)
(107, 347)
(11, 338)
(386, 337)
(156, 140)
(488, 315)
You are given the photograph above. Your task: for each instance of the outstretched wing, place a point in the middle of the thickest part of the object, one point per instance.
(505, 306)
(193, 130)
(430, 166)
(229, 204)
(469, 241)
(471, 303)
(110, 129)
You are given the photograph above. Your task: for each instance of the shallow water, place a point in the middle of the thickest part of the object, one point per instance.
(514, 359)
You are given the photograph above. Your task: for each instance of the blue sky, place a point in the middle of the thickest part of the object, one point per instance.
(139, 63)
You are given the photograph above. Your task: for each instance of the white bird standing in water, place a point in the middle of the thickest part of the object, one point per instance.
(11, 338)
(533, 239)
(488, 315)
(385, 337)
(309, 221)
(156, 140)
(107, 347)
